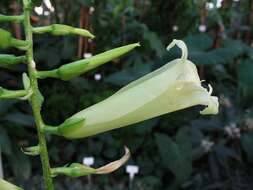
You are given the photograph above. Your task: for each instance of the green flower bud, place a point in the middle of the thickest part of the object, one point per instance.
(4, 185)
(7, 61)
(6, 41)
(63, 30)
(71, 70)
(173, 87)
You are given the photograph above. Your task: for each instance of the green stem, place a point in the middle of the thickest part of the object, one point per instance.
(35, 100)
(5, 18)
(46, 74)
(42, 29)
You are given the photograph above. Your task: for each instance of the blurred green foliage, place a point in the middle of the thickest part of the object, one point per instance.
(178, 151)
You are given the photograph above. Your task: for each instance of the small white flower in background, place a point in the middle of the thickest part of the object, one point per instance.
(132, 170)
(90, 40)
(97, 77)
(87, 55)
(219, 3)
(46, 13)
(249, 123)
(88, 161)
(92, 9)
(207, 145)
(225, 101)
(209, 5)
(233, 131)
(175, 28)
(202, 28)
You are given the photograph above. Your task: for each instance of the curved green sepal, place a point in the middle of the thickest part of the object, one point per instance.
(26, 81)
(7, 18)
(79, 170)
(63, 30)
(8, 61)
(71, 124)
(71, 70)
(4, 185)
(66, 127)
(31, 151)
(7, 41)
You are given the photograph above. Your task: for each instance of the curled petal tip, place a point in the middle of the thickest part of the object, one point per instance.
(212, 106)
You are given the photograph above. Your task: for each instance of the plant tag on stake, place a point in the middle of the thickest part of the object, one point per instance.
(132, 170)
(89, 161)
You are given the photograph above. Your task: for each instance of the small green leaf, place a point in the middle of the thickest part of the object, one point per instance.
(174, 158)
(247, 142)
(36, 3)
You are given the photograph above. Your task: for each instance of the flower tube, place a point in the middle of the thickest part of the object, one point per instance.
(174, 86)
(4, 185)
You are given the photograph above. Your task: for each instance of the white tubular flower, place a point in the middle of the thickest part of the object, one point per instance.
(175, 86)
(4, 185)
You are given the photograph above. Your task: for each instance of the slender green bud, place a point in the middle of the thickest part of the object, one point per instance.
(174, 86)
(62, 30)
(7, 61)
(4, 185)
(7, 41)
(74, 69)
(11, 94)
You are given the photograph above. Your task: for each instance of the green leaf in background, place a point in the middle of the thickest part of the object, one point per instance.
(128, 75)
(36, 3)
(5, 143)
(174, 157)
(247, 142)
(20, 163)
(20, 119)
(199, 42)
(245, 70)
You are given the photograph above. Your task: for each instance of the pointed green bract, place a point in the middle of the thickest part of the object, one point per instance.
(78, 170)
(173, 87)
(71, 70)
(4, 185)
(7, 61)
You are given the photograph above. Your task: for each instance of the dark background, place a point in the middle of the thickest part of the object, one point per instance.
(181, 150)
